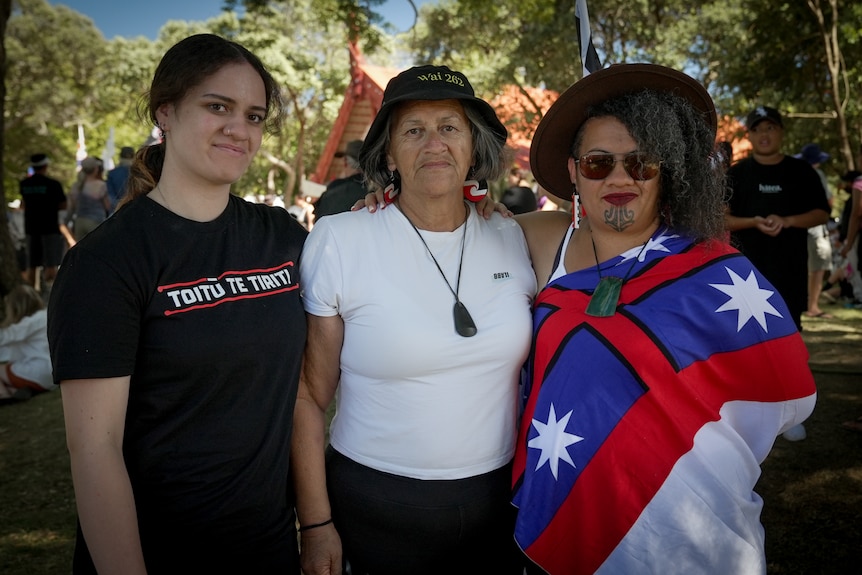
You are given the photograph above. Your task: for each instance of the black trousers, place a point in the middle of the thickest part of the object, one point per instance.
(391, 524)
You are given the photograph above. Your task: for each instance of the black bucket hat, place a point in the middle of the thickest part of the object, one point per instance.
(552, 142)
(429, 83)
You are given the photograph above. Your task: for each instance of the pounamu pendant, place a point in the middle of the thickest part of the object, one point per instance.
(605, 298)
(464, 324)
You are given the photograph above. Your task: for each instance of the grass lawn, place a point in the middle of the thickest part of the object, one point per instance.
(37, 506)
(812, 489)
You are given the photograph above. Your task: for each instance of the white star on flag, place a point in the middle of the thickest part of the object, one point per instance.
(553, 440)
(640, 252)
(748, 298)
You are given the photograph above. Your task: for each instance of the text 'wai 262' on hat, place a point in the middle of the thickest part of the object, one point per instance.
(429, 83)
(552, 142)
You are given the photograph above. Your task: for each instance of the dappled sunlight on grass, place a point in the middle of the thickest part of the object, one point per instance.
(35, 538)
(842, 485)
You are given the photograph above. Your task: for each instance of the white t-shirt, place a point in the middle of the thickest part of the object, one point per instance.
(25, 345)
(415, 398)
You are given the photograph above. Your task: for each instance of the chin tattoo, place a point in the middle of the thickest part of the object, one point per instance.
(619, 218)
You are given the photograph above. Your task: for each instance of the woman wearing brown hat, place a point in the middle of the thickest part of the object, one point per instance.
(664, 365)
(417, 476)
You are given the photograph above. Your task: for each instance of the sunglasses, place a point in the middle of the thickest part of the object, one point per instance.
(638, 165)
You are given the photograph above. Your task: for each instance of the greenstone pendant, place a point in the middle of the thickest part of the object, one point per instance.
(605, 298)
(464, 324)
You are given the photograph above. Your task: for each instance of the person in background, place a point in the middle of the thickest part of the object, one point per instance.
(176, 333)
(725, 149)
(342, 193)
(43, 199)
(15, 223)
(118, 177)
(416, 478)
(838, 287)
(518, 197)
(850, 248)
(88, 199)
(663, 364)
(819, 243)
(24, 346)
(302, 210)
(774, 200)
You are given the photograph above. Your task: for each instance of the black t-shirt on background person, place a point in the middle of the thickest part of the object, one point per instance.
(790, 187)
(340, 196)
(42, 197)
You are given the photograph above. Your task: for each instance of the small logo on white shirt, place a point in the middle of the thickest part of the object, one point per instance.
(501, 276)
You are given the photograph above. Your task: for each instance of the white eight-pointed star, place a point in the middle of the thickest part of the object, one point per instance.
(747, 298)
(553, 440)
(640, 252)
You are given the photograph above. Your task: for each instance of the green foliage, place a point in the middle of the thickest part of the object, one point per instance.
(63, 72)
(746, 53)
(359, 19)
(49, 84)
(530, 42)
(310, 61)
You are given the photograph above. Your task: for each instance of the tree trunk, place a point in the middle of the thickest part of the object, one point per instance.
(9, 273)
(837, 73)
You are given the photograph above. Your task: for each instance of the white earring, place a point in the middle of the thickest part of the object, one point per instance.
(576, 210)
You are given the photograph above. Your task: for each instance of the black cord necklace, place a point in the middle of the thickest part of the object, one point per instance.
(464, 324)
(606, 296)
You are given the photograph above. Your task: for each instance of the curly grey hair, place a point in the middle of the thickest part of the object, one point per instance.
(490, 154)
(692, 181)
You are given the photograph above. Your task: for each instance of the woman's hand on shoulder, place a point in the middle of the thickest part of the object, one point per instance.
(371, 202)
(487, 206)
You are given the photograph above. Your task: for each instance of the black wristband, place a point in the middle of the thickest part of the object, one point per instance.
(314, 525)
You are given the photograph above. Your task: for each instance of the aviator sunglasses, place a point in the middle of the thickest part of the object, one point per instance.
(638, 165)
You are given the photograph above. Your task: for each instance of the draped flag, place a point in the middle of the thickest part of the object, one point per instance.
(649, 424)
(589, 57)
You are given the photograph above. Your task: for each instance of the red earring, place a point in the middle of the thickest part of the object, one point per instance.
(475, 190)
(392, 188)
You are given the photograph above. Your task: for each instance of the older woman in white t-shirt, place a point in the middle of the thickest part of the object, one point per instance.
(418, 326)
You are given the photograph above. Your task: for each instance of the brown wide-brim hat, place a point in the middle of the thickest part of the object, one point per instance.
(552, 142)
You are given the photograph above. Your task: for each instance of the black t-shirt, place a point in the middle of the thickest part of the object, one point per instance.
(788, 188)
(340, 196)
(207, 319)
(42, 197)
(520, 199)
